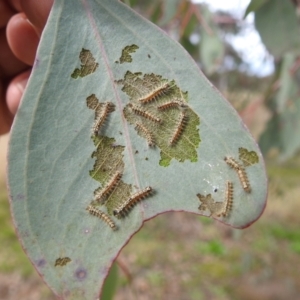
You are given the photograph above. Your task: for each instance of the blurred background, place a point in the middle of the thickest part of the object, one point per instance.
(250, 50)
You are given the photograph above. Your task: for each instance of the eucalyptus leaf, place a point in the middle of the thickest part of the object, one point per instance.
(211, 46)
(253, 6)
(170, 8)
(278, 26)
(118, 125)
(283, 128)
(288, 85)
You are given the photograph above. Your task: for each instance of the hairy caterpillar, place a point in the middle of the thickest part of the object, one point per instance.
(179, 129)
(172, 104)
(144, 114)
(101, 215)
(108, 188)
(126, 206)
(147, 133)
(101, 116)
(240, 171)
(159, 91)
(228, 203)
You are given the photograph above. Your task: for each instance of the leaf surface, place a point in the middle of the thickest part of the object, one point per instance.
(253, 6)
(283, 128)
(99, 61)
(277, 24)
(211, 45)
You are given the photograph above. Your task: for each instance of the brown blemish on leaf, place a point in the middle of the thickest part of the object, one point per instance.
(62, 261)
(126, 54)
(217, 209)
(88, 64)
(207, 202)
(248, 157)
(80, 274)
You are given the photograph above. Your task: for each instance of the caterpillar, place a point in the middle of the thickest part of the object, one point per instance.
(109, 187)
(172, 104)
(240, 171)
(144, 114)
(232, 162)
(244, 180)
(101, 215)
(126, 206)
(160, 90)
(228, 200)
(179, 129)
(101, 116)
(147, 133)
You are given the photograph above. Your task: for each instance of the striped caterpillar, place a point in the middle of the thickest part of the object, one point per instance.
(159, 91)
(101, 215)
(109, 187)
(144, 114)
(126, 206)
(172, 104)
(240, 171)
(101, 116)
(179, 129)
(147, 133)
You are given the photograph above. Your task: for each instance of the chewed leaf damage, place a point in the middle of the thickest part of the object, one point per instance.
(88, 64)
(161, 107)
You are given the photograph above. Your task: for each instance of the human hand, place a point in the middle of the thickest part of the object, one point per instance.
(21, 24)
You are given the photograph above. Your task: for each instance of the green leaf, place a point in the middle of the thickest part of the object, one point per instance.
(170, 8)
(211, 46)
(63, 158)
(283, 128)
(277, 24)
(110, 284)
(253, 6)
(288, 86)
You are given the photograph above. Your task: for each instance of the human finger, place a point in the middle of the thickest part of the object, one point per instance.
(9, 64)
(22, 38)
(15, 91)
(37, 12)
